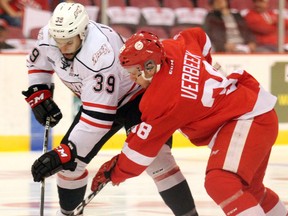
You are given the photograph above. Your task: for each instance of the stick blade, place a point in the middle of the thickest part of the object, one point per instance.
(87, 200)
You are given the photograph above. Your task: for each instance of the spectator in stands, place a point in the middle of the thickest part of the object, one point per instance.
(12, 10)
(3, 35)
(227, 29)
(263, 23)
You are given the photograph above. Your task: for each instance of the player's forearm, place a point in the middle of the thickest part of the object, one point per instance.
(125, 169)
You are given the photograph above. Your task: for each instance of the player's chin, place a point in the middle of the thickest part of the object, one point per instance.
(144, 83)
(69, 56)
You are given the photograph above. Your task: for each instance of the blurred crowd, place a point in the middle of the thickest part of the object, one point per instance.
(234, 26)
(254, 29)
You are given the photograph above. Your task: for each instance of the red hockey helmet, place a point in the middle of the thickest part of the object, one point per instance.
(140, 48)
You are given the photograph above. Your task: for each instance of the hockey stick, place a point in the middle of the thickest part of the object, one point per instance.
(87, 200)
(45, 147)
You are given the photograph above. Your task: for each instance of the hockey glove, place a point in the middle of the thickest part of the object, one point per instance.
(40, 99)
(62, 157)
(104, 173)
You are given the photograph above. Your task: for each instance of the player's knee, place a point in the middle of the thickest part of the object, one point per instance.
(164, 170)
(222, 185)
(76, 179)
(162, 163)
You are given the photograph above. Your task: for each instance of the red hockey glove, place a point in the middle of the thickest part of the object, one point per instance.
(104, 173)
(62, 157)
(39, 97)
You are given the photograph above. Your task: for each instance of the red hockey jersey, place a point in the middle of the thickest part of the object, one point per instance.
(189, 95)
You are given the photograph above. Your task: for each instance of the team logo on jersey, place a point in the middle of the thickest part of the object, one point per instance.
(65, 64)
(102, 51)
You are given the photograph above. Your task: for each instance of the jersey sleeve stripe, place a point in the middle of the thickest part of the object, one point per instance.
(136, 157)
(100, 110)
(94, 124)
(40, 71)
(207, 46)
(100, 118)
(88, 104)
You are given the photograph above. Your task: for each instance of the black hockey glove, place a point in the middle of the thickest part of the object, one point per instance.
(40, 99)
(60, 158)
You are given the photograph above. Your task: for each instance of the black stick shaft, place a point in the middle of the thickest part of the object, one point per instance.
(45, 147)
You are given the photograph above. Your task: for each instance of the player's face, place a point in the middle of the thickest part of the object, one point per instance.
(141, 77)
(69, 47)
(135, 75)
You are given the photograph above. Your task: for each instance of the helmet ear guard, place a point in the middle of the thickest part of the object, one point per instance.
(144, 49)
(68, 20)
(149, 65)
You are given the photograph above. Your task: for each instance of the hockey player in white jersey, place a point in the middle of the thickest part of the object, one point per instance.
(84, 55)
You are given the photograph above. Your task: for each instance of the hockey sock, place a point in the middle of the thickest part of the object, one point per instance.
(171, 183)
(244, 205)
(71, 191)
(70, 199)
(272, 205)
(180, 200)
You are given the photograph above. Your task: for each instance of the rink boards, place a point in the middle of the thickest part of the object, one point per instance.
(20, 132)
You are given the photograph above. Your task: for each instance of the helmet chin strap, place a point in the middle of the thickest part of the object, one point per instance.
(143, 76)
(158, 67)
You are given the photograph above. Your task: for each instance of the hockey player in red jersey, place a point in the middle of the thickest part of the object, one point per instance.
(84, 55)
(233, 115)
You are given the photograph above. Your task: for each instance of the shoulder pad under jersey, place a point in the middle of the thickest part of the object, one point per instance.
(96, 53)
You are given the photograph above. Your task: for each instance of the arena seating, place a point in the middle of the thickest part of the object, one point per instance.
(160, 32)
(121, 3)
(31, 19)
(177, 4)
(166, 17)
(142, 4)
(15, 32)
(124, 19)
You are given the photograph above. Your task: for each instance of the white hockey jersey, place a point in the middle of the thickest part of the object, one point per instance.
(95, 76)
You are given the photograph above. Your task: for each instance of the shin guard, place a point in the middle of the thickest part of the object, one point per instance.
(171, 184)
(71, 191)
(179, 199)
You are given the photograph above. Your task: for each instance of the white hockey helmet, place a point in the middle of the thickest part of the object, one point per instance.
(68, 20)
